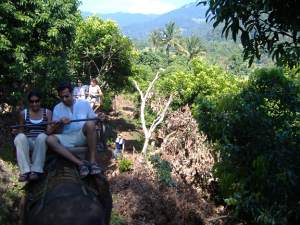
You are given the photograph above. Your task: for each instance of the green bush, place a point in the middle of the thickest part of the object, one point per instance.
(116, 219)
(260, 159)
(163, 169)
(107, 102)
(125, 165)
(153, 59)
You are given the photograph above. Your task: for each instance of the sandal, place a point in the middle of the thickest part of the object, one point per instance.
(95, 169)
(35, 176)
(23, 177)
(84, 169)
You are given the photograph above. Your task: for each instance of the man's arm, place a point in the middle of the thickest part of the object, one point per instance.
(57, 126)
(58, 122)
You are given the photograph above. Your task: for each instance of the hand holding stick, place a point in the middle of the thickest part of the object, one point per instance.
(54, 122)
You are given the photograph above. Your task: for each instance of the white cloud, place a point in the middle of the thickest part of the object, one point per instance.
(132, 6)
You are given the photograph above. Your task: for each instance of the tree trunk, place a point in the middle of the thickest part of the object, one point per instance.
(146, 143)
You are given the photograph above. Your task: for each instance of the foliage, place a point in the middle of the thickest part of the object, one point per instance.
(34, 42)
(203, 86)
(193, 46)
(260, 159)
(125, 165)
(262, 25)
(153, 59)
(116, 219)
(155, 40)
(106, 104)
(10, 193)
(169, 38)
(163, 169)
(101, 51)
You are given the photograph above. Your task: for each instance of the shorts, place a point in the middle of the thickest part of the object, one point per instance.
(73, 139)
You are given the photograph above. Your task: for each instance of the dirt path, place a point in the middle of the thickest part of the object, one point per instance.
(139, 196)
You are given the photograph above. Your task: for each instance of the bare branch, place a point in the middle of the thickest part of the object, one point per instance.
(138, 88)
(161, 116)
(142, 113)
(151, 85)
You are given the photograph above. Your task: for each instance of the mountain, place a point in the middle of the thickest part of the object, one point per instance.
(189, 18)
(126, 19)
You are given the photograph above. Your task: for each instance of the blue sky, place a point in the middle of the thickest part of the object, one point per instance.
(131, 6)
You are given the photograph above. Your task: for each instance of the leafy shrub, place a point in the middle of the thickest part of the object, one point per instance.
(125, 165)
(260, 159)
(163, 169)
(10, 193)
(153, 59)
(208, 89)
(116, 219)
(107, 102)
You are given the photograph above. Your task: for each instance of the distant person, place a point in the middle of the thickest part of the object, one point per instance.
(120, 146)
(74, 134)
(33, 137)
(79, 91)
(95, 93)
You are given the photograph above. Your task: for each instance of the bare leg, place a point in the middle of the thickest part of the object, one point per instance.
(54, 144)
(89, 130)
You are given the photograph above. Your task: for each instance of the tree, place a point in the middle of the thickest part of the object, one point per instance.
(35, 36)
(270, 25)
(170, 37)
(101, 51)
(160, 115)
(193, 46)
(258, 171)
(155, 39)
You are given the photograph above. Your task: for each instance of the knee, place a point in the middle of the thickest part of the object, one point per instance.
(20, 138)
(90, 125)
(51, 140)
(42, 137)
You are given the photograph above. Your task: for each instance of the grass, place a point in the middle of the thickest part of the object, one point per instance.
(116, 219)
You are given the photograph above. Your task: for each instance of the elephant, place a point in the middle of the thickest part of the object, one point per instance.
(62, 198)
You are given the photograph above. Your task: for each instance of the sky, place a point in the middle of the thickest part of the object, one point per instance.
(132, 6)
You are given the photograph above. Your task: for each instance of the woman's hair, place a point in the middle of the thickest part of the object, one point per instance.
(64, 85)
(94, 80)
(34, 93)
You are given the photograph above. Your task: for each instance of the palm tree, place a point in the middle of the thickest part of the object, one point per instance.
(170, 37)
(193, 46)
(155, 39)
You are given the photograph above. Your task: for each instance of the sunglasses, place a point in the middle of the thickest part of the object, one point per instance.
(65, 96)
(34, 101)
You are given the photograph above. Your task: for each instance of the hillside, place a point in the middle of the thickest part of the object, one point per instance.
(189, 18)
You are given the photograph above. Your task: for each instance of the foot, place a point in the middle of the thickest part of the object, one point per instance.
(84, 169)
(95, 169)
(23, 177)
(35, 176)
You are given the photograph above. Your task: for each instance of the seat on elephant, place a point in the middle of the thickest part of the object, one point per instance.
(79, 151)
(62, 198)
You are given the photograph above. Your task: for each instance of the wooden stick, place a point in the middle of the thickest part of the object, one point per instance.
(71, 121)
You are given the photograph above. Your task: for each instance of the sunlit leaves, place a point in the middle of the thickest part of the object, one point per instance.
(32, 31)
(101, 51)
(270, 25)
